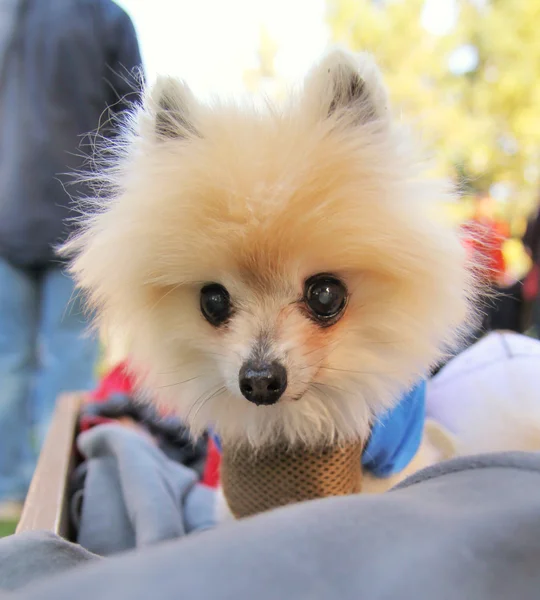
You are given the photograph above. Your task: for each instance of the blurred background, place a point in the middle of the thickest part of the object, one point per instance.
(465, 72)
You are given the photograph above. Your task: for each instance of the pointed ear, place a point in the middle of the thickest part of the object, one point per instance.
(346, 84)
(172, 107)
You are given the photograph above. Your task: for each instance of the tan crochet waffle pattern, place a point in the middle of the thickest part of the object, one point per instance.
(256, 481)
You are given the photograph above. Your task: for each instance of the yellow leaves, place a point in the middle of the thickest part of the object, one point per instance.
(480, 158)
(488, 121)
(516, 258)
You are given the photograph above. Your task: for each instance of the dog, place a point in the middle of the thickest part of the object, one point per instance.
(279, 273)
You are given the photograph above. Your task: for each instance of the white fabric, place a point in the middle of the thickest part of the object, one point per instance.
(489, 396)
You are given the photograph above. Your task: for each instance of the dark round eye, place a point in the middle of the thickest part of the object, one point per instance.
(215, 304)
(325, 297)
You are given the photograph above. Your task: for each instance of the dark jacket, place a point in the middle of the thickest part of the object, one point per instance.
(531, 240)
(63, 63)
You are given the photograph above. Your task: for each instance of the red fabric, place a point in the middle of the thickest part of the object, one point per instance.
(120, 380)
(484, 241)
(86, 422)
(211, 469)
(117, 381)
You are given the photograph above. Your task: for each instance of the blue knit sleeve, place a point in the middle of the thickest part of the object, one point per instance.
(396, 435)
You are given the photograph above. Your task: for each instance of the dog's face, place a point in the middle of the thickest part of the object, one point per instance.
(279, 274)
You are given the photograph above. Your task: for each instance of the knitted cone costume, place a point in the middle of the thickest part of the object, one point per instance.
(258, 480)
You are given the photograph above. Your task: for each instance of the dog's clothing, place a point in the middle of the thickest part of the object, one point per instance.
(395, 436)
(255, 482)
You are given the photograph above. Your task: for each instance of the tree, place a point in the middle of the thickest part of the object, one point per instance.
(482, 121)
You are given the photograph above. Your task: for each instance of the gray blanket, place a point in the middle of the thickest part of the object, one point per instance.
(134, 495)
(469, 528)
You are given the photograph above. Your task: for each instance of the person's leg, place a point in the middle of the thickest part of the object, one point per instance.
(19, 300)
(68, 353)
(535, 317)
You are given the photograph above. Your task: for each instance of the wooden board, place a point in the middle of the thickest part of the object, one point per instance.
(46, 505)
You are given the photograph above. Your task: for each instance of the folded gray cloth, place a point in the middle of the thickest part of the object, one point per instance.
(469, 528)
(134, 495)
(33, 555)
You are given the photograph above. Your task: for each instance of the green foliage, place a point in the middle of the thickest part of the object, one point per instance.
(7, 528)
(484, 126)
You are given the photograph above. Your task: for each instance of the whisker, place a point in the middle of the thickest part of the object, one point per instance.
(324, 346)
(163, 296)
(312, 365)
(188, 365)
(319, 388)
(221, 355)
(200, 399)
(354, 372)
(182, 382)
(329, 386)
(216, 393)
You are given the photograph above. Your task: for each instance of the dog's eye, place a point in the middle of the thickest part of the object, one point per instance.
(325, 297)
(215, 304)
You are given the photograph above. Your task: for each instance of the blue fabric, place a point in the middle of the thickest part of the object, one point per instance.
(395, 436)
(43, 352)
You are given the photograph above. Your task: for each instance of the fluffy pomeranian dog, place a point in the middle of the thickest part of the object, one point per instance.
(279, 274)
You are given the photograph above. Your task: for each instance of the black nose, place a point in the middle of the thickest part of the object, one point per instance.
(262, 383)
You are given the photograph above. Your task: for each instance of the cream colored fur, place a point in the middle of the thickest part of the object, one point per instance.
(437, 445)
(259, 201)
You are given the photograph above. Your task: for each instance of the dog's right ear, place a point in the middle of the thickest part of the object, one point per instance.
(172, 107)
(348, 86)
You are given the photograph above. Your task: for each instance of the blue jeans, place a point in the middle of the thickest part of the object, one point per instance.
(44, 350)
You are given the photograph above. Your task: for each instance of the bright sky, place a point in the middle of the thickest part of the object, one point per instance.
(210, 43)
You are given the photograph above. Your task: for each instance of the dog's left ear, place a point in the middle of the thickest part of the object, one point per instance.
(172, 109)
(348, 86)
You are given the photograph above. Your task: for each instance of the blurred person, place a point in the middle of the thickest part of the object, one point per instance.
(62, 64)
(486, 236)
(531, 288)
